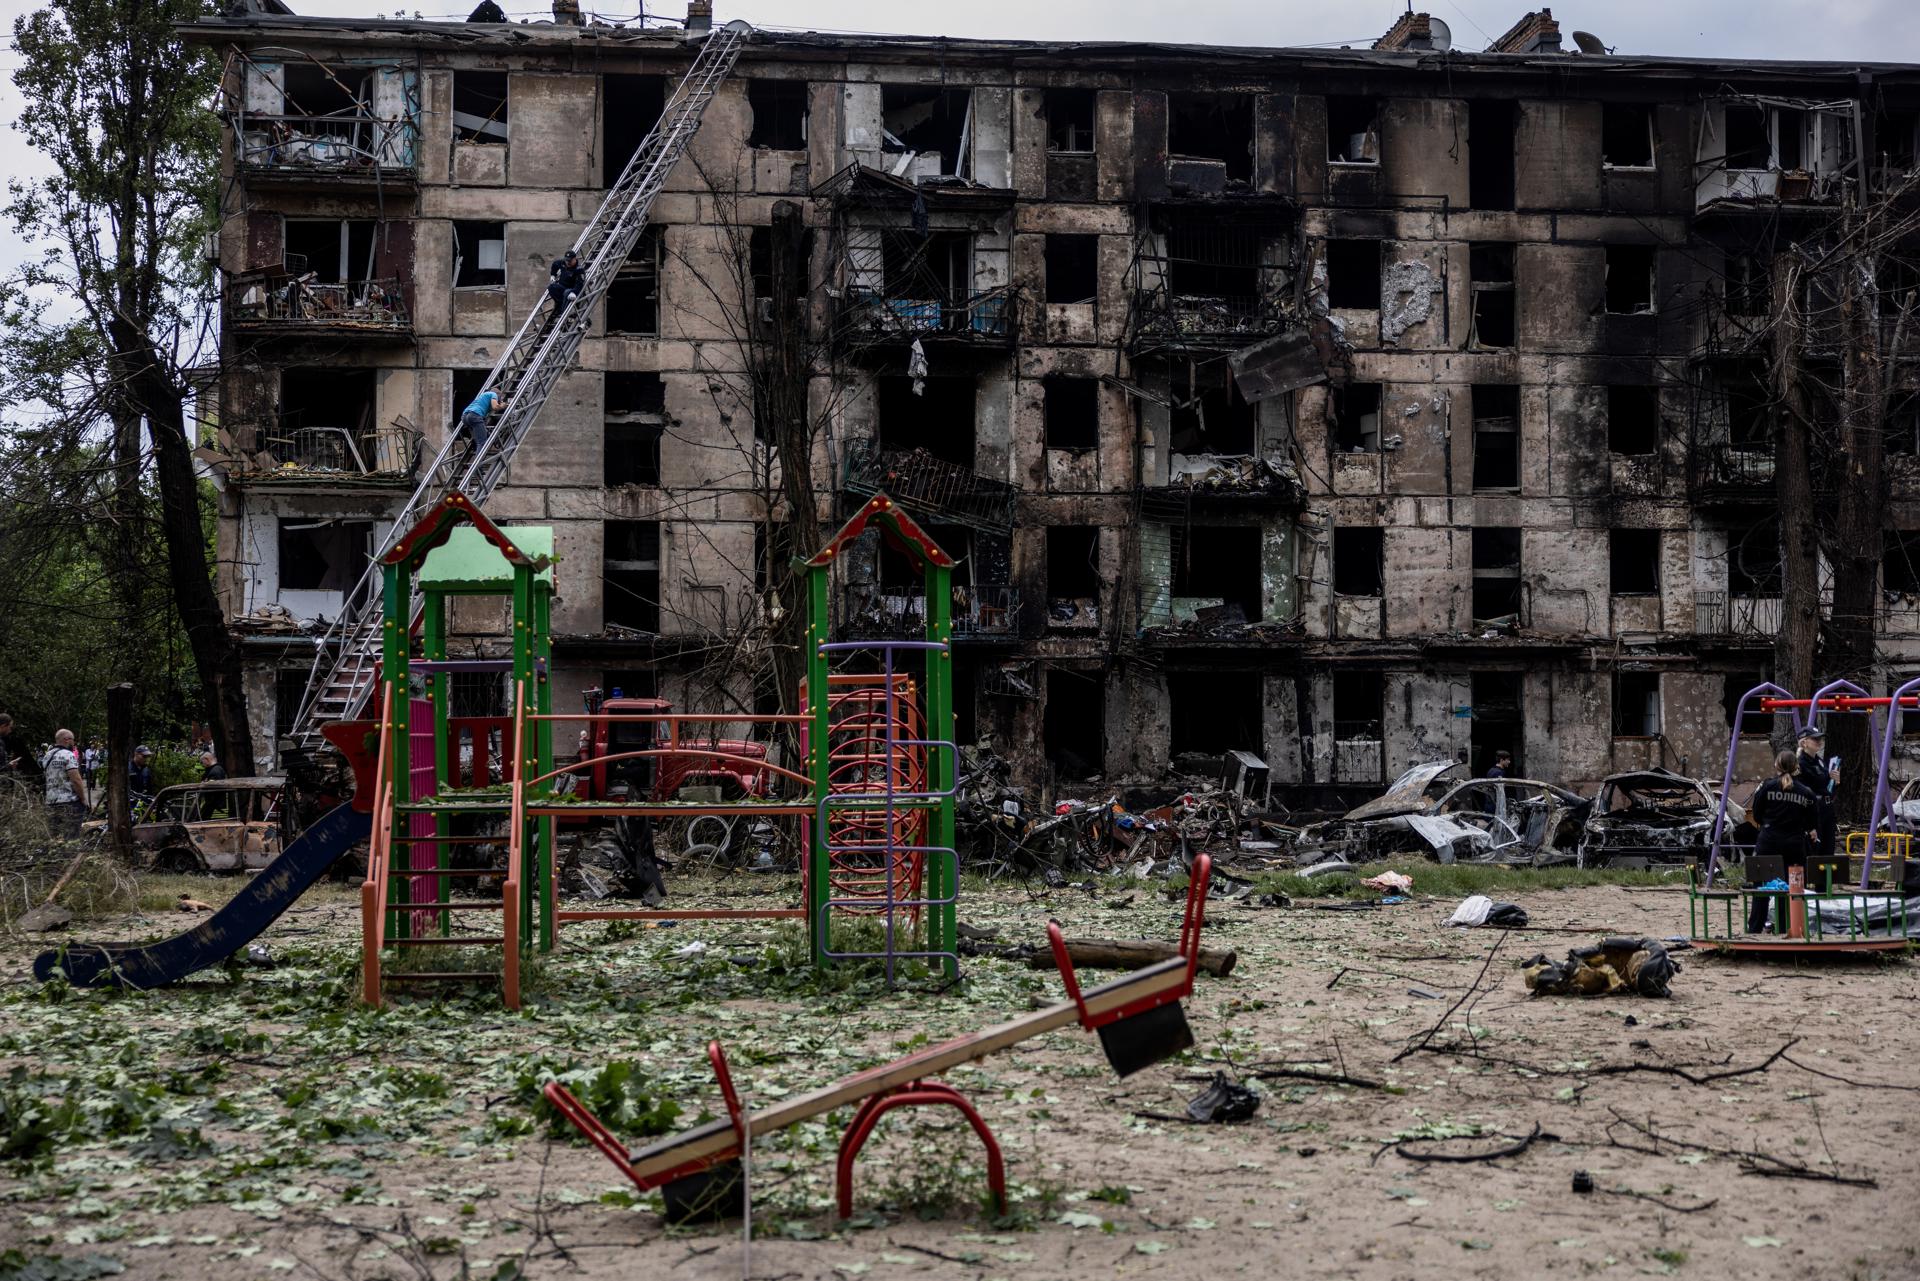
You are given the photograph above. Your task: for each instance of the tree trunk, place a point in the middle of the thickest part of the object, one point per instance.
(784, 384)
(119, 756)
(216, 657)
(1795, 644)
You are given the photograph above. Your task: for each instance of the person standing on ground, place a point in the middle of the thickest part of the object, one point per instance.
(140, 772)
(567, 278)
(473, 419)
(1811, 769)
(1502, 764)
(15, 760)
(213, 772)
(1786, 812)
(66, 786)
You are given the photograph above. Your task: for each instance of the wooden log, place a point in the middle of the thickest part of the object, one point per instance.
(1131, 954)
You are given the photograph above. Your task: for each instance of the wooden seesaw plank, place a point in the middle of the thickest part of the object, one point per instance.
(716, 1138)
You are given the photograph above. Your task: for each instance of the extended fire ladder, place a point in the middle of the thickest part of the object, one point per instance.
(346, 664)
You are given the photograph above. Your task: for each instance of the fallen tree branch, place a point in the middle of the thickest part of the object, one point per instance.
(1465, 996)
(1863, 1085)
(1515, 1148)
(1681, 1070)
(1757, 1162)
(1660, 1201)
(1305, 1074)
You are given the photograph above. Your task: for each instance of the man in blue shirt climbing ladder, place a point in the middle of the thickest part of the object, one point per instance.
(473, 420)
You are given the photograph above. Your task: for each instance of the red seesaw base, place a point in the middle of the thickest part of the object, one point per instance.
(915, 1094)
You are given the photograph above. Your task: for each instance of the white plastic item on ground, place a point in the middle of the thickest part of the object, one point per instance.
(1391, 882)
(1473, 911)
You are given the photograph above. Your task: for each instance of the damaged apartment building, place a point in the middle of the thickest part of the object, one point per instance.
(1351, 408)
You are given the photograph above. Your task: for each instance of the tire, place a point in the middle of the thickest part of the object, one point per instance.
(177, 860)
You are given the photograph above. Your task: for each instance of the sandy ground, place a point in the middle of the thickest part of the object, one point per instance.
(1312, 1185)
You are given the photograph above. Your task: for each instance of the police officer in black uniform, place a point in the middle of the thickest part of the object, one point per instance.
(1786, 811)
(1811, 770)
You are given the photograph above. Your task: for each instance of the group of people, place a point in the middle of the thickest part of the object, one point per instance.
(565, 280)
(72, 778)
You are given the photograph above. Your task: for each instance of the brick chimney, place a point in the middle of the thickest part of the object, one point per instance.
(699, 17)
(1535, 33)
(1413, 31)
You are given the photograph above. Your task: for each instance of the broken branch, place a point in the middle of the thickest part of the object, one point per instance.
(1515, 1148)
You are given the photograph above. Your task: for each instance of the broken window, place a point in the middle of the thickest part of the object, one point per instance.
(1633, 562)
(631, 570)
(631, 105)
(1629, 279)
(314, 90)
(779, 114)
(1490, 151)
(1074, 728)
(1749, 412)
(1353, 273)
(1626, 135)
(1073, 270)
(633, 296)
(289, 690)
(1073, 575)
(323, 555)
(1748, 143)
(1072, 407)
(1633, 419)
(1496, 574)
(1359, 707)
(1789, 136)
(1636, 704)
(1208, 414)
(334, 250)
(1358, 567)
(1213, 263)
(927, 129)
(936, 267)
(480, 106)
(1491, 268)
(1896, 139)
(1753, 565)
(1749, 285)
(1356, 418)
(326, 420)
(1070, 120)
(636, 416)
(479, 254)
(1496, 436)
(1211, 713)
(1353, 130)
(939, 421)
(1209, 130)
(1219, 565)
(1900, 563)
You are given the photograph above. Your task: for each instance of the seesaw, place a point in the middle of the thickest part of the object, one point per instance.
(1138, 1018)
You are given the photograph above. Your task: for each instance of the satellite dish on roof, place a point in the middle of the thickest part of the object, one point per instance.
(1590, 43)
(1442, 34)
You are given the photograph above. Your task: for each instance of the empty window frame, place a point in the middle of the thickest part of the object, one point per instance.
(1490, 153)
(1213, 126)
(779, 114)
(1072, 411)
(1494, 296)
(1896, 139)
(633, 296)
(1359, 707)
(1749, 285)
(1353, 274)
(322, 397)
(929, 121)
(1219, 562)
(480, 106)
(1496, 574)
(635, 418)
(1633, 419)
(1208, 414)
(1626, 135)
(313, 90)
(1214, 259)
(1356, 418)
(937, 267)
(1358, 566)
(334, 250)
(318, 555)
(1753, 564)
(1630, 279)
(630, 106)
(1073, 562)
(1070, 120)
(1353, 130)
(1073, 268)
(289, 690)
(1749, 405)
(1212, 712)
(1636, 704)
(1633, 562)
(1749, 144)
(479, 255)
(939, 421)
(1496, 437)
(1900, 563)
(1073, 729)
(631, 570)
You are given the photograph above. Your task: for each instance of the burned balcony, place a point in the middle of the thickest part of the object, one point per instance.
(291, 303)
(319, 457)
(881, 611)
(928, 486)
(305, 125)
(1737, 616)
(1723, 473)
(1205, 282)
(1760, 154)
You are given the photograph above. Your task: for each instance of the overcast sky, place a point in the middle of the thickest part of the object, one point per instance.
(1876, 30)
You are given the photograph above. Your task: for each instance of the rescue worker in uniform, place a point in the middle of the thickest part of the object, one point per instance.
(1786, 811)
(1811, 769)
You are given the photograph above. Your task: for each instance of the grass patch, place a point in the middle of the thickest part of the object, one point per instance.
(1458, 880)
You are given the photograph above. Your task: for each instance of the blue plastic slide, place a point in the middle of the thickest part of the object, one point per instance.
(258, 905)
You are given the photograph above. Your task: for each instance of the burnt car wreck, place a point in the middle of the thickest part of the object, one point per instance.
(1433, 812)
(1655, 818)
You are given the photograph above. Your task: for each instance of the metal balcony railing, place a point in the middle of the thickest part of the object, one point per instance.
(877, 612)
(341, 146)
(285, 302)
(306, 454)
(990, 318)
(1162, 318)
(1733, 469)
(929, 487)
(1718, 614)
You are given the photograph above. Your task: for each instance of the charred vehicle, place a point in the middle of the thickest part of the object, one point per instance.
(231, 825)
(1434, 812)
(1654, 817)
